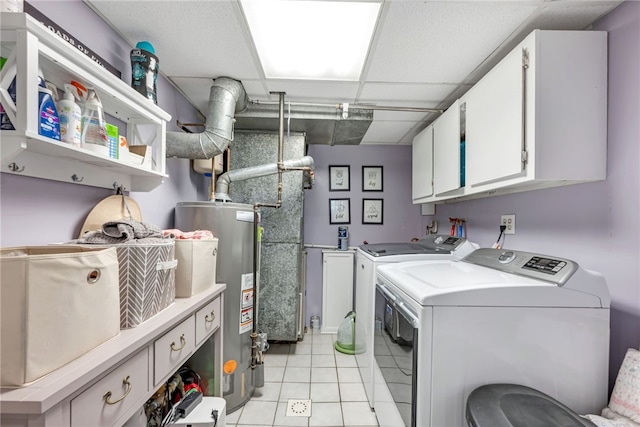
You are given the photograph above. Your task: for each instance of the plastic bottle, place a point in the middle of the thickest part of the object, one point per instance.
(5, 121)
(94, 133)
(48, 115)
(70, 118)
(144, 70)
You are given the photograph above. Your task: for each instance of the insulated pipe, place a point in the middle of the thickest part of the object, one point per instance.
(226, 98)
(223, 181)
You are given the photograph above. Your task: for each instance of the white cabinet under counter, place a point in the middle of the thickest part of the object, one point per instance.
(107, 385)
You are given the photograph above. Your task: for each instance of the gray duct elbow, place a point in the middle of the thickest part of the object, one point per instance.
(226, 98)
(223, 181)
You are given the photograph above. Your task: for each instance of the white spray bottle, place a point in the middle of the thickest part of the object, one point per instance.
(70, 118)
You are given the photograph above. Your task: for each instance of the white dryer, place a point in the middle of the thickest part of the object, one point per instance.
(497, 316)
(368, 258)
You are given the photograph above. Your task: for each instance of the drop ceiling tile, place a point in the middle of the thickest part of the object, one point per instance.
(328, 91)
(440, 42)
(387, 132)
(406, 91)
(191, 38)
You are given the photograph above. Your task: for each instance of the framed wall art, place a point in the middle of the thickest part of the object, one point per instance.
(372, 211)
(339, 178)
(372, 178)
(339, 211)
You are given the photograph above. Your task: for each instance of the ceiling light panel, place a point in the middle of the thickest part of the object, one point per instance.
(326, 40)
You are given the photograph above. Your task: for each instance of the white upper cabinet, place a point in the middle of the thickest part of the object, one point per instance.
(538, 119)
(422, 165)
(446, 151)
(29, 47)
(494, 122)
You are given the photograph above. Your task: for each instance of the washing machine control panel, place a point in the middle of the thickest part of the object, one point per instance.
(550, 269)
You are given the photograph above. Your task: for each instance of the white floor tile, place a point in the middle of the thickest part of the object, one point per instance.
(324, 375)
(352, 392)
(258, 413)
(323, 361)
(358, 414)
(299, 360)
(269, 392)
(278, 349)
(346, 360)
(275, 359)
(325, 392)
(297, 375)
(283, 420)
(273, 374)
(326, 414)
(294, 391)
(300, 348)
(322, 348)
(349, 375)
(233, 417)
(324, 339)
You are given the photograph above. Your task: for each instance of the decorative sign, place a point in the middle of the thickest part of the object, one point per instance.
(339, 211)
(372, 211)
(338, 178)
(66, 36)
(372, 178)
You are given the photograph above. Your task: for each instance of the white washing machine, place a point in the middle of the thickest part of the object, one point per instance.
(368, 257)
(497, 316)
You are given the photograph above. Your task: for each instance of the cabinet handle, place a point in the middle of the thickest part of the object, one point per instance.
(213, 316)
(107, 395)
(182, 341)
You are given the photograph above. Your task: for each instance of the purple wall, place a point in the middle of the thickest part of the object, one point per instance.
(401, 219)
(593, 224)
(36, 211)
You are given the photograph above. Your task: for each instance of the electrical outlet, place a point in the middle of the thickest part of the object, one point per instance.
(510, 222)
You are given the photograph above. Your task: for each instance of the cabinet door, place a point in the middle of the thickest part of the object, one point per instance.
(494, 123)
(337, 289)
(422, 164)
(446, 150)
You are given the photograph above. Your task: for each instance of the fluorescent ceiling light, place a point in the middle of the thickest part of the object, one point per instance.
(327, 40)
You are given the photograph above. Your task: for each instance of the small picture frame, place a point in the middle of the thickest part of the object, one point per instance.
(372, 211)
(339, 179)
(339, 211)
(372, 178)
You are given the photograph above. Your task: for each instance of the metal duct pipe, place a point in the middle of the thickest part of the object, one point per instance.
(226, 98)
(223, 181)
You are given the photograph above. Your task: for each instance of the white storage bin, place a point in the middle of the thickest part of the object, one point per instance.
(196, 270)
(57, 303)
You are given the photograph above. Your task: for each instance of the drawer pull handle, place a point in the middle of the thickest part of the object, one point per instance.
(107, 395)
(213, 317)
(182, 341)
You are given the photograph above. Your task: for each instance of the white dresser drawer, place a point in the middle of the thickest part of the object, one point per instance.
(207, 320)
(173, 348)
(107, 400)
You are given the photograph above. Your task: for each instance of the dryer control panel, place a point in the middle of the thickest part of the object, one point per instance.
(537, 266)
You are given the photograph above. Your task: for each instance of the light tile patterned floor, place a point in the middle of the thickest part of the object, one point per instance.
(310, 369)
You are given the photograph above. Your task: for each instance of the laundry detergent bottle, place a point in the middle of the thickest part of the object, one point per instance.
(94, 133)
(144, 70)
(70, 118)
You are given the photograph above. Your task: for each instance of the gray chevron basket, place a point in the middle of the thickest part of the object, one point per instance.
(147, 279)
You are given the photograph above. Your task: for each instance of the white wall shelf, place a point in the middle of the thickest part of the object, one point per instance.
(30, 47)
